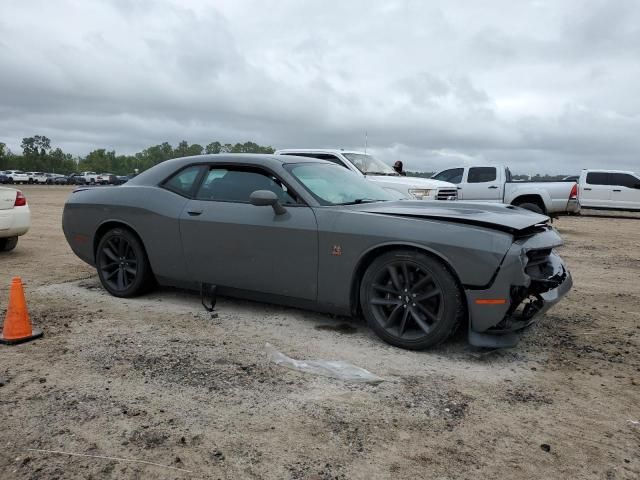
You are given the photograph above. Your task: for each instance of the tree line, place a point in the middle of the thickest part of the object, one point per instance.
(39, 156)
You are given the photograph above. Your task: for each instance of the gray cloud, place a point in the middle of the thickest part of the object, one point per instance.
(540, 86)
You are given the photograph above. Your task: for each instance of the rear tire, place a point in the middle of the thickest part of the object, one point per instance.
(534, 207)
(122, 264)
(8, 244)
(411, 300)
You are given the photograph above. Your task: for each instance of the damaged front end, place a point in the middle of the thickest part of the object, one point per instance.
(531, 279)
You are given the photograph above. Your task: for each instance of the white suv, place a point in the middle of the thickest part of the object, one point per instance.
(373, 169)
(17, 176)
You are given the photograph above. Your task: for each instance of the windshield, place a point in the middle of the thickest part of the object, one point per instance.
(369, 165)
(332, 184)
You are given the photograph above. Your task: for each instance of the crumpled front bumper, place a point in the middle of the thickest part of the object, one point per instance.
(531, 280)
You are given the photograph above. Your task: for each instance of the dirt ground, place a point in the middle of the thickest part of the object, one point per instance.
(156, 379)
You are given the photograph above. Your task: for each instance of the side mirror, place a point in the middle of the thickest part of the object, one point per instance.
(264, 198)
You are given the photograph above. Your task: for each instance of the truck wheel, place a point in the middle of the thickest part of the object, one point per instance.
(531, 206)
(8, 244)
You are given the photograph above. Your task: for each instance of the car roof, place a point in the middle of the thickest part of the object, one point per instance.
(316, 150)
(161, 171)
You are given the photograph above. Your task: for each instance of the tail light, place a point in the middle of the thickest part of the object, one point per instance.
(574, 192)
(21, 200)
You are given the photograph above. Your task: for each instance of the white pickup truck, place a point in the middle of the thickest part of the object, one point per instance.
(494, 184)
(91, 177)
(609, 190)
(382, 174)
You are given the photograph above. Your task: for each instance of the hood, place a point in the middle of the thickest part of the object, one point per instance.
(493, 215)
(411, 182)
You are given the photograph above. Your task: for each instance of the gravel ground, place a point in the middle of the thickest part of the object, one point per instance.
(157, 379)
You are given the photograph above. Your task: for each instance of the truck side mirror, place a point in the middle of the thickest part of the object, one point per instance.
(264, 198)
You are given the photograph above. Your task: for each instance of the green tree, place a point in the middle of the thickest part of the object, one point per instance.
(213, 147)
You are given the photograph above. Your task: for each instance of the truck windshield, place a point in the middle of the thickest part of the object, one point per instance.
(331, 184)
(369, 165)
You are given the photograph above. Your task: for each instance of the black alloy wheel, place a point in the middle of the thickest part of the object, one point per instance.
(122, 264)
(411, 300)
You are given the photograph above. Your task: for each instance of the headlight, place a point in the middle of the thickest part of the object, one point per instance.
(420, 193)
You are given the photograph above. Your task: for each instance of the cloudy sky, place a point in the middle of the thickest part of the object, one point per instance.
(543, 86)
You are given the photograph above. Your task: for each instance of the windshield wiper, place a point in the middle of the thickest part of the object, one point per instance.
(358, 201)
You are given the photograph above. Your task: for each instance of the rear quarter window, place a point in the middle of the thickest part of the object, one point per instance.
(184, 182)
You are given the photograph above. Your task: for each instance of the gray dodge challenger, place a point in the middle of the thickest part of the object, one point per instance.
(311, 234)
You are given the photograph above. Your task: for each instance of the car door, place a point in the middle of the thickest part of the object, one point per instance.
(230, 243)
(452, 175)
(625, 192)
(596, 191)
(482, 183)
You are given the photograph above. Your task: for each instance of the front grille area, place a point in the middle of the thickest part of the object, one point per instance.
(447, 194)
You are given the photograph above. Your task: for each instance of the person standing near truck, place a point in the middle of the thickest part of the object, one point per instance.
(398, 167)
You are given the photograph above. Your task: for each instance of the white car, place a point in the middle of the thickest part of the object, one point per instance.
(609, 190)
(17, 176)
(15, 217)
(383, 175)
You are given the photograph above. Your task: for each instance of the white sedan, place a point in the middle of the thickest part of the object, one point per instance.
(15, 217)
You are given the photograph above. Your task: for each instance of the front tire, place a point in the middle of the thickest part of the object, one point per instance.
(8, 244)
(410, 299)
(122, 264)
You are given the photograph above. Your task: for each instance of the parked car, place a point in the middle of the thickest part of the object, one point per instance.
(120, 179)
(310, 233)
(610, 190)
(38, 177)
(3, 178)
(90, 177)
(61, 180)
(107, 179)
(76, 179)
(15, 217)
(370, 168)
(494, 184)
(17, 176)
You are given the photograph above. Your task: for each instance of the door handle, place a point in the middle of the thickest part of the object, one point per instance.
(493, 187)
(459, 188)
(194, 213)
(615, 190)
(587, 189)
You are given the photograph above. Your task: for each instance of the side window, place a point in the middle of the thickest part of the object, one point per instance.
(184, 181)
(481, 174)
(598, 178)
(236, 185)
(623, 180)
(453, 175)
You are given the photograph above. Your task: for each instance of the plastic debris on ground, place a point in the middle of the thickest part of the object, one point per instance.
(327, 368)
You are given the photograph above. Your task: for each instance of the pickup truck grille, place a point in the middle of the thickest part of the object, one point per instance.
(447, 194)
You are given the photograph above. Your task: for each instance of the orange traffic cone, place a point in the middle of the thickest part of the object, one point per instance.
(17, 324)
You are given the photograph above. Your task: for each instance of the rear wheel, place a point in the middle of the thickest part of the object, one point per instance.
(410, 299)
(8, 244)
(122, 264)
